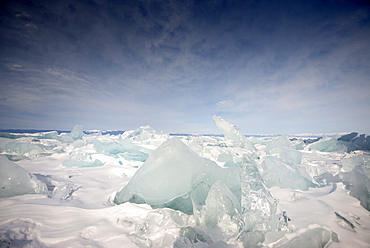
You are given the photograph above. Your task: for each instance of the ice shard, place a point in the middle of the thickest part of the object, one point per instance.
(277, 173)
(14, 180)
(232, 132)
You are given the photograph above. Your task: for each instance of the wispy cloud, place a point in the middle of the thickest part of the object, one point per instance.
(174, 64)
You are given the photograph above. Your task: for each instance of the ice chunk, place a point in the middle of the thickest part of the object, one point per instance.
(348, 137)
(169, 176)
(166, 174)
(252, 239)
(259, 208)
(221, 213)
(142, 133)
(79, 143)
(276, 173)
(333, 145)
(349, 163)
(22, 148)
(146, 135)
(357, 181)
(313, 238)
(14, 180)
(65, 191)
(280, 141)
(128, 150)
(77, 132)
(3, 142)
(232, 132)
(288, 155)
(80, 160)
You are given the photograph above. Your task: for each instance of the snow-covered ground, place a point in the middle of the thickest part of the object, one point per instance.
(284, 194)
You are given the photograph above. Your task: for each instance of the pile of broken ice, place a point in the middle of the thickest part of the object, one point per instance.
(209, 201)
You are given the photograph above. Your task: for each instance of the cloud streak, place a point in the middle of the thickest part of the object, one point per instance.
(302, 66)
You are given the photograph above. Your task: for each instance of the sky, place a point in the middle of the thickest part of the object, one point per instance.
(269, 66)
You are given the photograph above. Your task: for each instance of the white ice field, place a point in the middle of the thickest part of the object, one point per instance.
(145, 188)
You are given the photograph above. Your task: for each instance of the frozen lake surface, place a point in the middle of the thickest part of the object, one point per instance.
(144, 188)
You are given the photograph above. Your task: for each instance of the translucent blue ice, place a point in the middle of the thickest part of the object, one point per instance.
(14, 180)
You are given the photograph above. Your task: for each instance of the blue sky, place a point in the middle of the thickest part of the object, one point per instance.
(272, 66)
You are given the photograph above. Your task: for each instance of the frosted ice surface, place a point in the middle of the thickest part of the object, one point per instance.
(173, 173)
(276, 173)
(14, 180)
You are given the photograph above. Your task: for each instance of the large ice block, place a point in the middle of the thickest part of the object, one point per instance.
(277, 173)
(172, 175)
(14, 180)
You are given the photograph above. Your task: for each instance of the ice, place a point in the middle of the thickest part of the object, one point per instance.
(3, 142)
(253, 239)
(356, 142)
(277, 173)
(145, 188)
(81, 160)
(146, 135)
(278, 142)
(14, 180)
(65, 191)
(312, 238)
(232, 132)
(122, 147)
(360, 160)
(220, 215)
(348, 137)
(171, 174)
(333, 145)
(22, 148)
(166, 174)
(259, 208)
(75, 134)
(358, 182)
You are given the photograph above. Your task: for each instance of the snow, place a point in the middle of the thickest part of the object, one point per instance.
(145, 188)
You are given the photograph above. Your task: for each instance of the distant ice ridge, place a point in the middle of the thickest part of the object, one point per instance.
(345, 143)
(14, 180)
